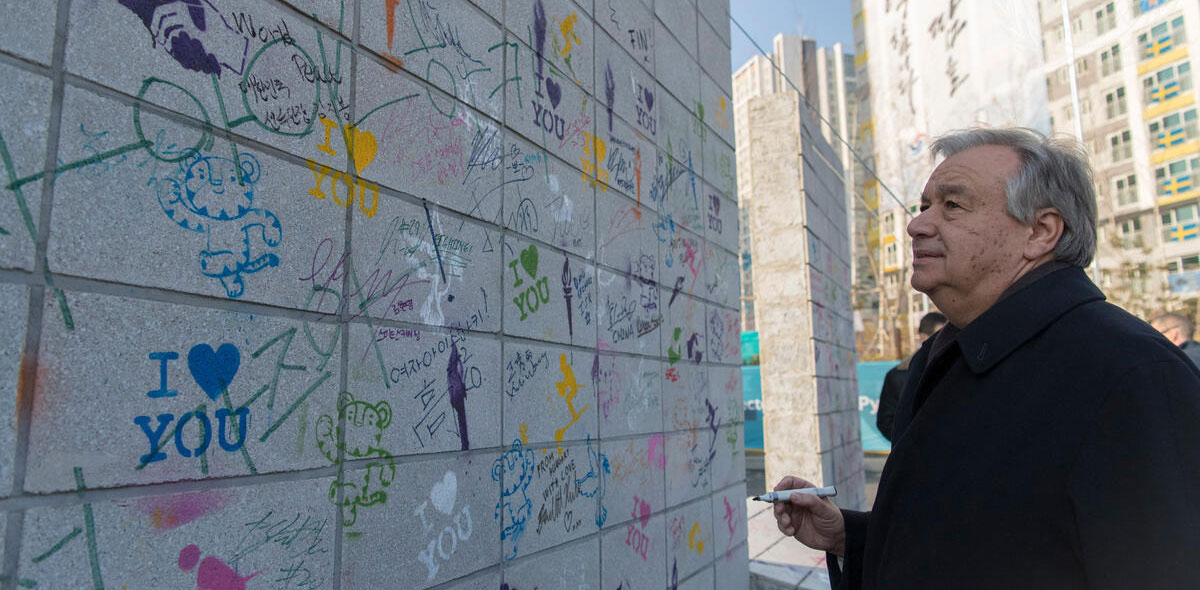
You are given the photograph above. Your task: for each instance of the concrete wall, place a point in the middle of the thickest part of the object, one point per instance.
(371, 294)
(801, 251)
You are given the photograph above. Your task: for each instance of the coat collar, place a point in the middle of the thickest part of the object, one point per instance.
(1021, 314)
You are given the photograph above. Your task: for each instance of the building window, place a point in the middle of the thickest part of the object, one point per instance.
(1179, 224)
(1167, 83)
(1110, 60)
(1185, 264)
(1081, 66)
(1114, 103)
(1127, 190)
(891, 258)
(1106, 18)
(1176, 178)
(1143, 6)
(1173, 129)
(1129, 233)
(1122, 146)
(1162, 38)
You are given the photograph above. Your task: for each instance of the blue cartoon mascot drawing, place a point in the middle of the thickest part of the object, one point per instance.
(216, 198)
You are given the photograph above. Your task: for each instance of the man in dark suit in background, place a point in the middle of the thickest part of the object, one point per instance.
(893, 382)
(1052, 440)
(1179, 330)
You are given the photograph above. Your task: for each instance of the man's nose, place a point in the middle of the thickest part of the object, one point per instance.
(920, 226)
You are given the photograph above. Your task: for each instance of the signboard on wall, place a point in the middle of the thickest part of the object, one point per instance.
(870, 382)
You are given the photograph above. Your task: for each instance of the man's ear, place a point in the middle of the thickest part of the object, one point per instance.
(1046, 231)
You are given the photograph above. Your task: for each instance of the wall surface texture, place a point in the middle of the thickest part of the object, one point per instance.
(801, 251)
(368, 294)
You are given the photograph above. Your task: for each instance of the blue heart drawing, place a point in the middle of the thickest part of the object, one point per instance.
(649, 96)
(554, 91)
(214, 370)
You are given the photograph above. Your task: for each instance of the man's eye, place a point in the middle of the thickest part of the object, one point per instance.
(923, 207)
(950, 205)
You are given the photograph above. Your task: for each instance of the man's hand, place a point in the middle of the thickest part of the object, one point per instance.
(814, 521)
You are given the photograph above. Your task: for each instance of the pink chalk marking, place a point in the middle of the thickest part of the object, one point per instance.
(188, 556)
(654, 452)
(168, 512)
(214, 574)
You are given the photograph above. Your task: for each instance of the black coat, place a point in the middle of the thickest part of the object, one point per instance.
(1054, 444)
(889, 397)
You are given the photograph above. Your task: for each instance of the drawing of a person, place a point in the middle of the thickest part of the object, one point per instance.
(194, 33)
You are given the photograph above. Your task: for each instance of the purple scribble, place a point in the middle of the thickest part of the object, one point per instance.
(458, 393)
(539, 32)
(566, 285)
(610, 92)
(189, 52)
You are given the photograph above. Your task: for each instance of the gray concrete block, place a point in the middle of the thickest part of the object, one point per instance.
(485, 579)
(626, 236)
(548, 295)
(721, 216)
(690, 537)
(276, 74)
(23, 135)
(12, 354)
(629, 395)
(690, 455)
(722, 284)
(440, 528)
(714, 55)
(729, 461)
(561, 36)
(282, 372)
(417, 263)
(449, 44)
(407, 374)
(624, 89)
(637, 486)
(701, 580)
(282, 532)
(679, 17)
(685, 390)
(724, 335)
(629, 313)
(725, 391)
(551, 497)
(548, 108)
(676, 69)
(685, 334)
(576, 565)
(630, 24)
(729, 525)
(335, 15)
(421, 141)
(635, 554)
(681, 133)
(199, 231)
(548, 199)
(718, 109)
(548, 397)
(682, 265)
(630, 161)
(720, 167)
(28, 29)
(716, 13)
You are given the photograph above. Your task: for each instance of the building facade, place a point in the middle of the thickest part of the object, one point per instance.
(1137, 111)
(931, 68)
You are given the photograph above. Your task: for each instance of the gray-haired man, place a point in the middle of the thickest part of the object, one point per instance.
(1053, 440)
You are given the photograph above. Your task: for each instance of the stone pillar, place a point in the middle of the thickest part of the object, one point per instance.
(801, 254)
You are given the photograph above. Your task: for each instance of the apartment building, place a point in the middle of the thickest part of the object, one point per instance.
(1137, 110)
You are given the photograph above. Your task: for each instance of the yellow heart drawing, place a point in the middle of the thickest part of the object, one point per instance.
(362, 147)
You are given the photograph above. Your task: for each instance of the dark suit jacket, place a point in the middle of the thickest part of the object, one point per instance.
(889, 397)
(1054, 443)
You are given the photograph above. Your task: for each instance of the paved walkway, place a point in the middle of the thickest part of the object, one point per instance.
(778, 562)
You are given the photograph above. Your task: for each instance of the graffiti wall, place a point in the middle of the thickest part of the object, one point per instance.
(375, 293)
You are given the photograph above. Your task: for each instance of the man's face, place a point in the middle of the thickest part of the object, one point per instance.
(1173, 332)
(966, 247)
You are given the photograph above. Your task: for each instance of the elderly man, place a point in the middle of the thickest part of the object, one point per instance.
(1179, 330)
(1053, 440)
